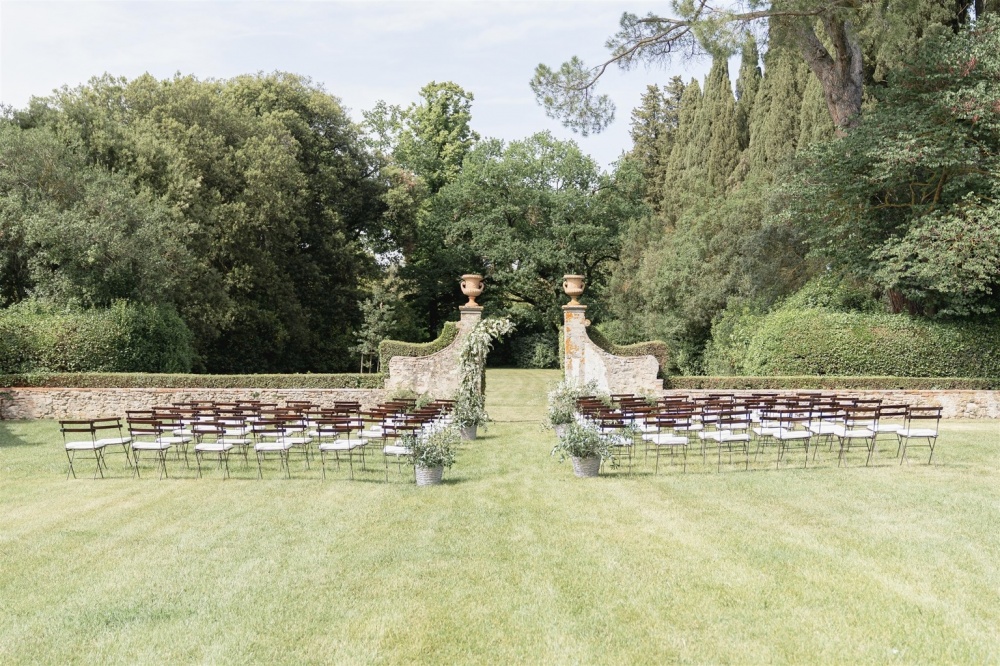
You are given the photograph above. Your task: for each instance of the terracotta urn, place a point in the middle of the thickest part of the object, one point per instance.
(472, 286)
(573, 286)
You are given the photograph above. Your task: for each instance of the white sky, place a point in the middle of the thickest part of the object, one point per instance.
(361, 51)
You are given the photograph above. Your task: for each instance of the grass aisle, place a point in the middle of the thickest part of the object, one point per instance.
(513, 560)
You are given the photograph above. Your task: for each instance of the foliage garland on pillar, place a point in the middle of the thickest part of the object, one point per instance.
(470, 401)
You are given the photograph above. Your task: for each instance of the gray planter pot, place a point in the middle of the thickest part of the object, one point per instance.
(560, 429)
(469, 433)
(586, 467)
(429, 476)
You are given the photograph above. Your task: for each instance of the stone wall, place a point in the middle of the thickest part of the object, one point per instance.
(956, 404)
(585, 361)
(68, 403)
(436, 374)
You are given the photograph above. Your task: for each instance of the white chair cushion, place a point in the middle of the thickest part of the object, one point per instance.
(213, 447)
(342, 445)
(145, 445)
(785, 433)
(272, 445)
(84, 446)
(393, 450)
(888, 427)
(666, 439)
(108, 441)
(918, 432)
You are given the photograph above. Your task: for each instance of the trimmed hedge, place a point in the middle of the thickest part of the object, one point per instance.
(823, 342)
(127, 337)
(830, 382)
(144, 380)
(656, 348)
(390, 348)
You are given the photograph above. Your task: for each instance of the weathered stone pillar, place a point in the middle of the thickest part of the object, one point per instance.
(469, 316)
(584, 361)
(575, 342)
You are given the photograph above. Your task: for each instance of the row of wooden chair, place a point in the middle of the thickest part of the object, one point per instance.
(730, 424)
(215, 430)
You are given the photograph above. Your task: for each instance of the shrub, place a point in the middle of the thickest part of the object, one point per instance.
(537, 350)
(830, 383)
(127, 337)
(562, 400)
(390, 348)
(141, 380)
(580, 440)
(820, 342)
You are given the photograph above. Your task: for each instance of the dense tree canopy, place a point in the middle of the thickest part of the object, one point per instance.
(849, 168)
(265, 189)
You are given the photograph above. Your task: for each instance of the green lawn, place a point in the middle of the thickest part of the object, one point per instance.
(513, 560)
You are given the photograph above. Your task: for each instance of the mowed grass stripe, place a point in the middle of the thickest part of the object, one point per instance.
(513, 559)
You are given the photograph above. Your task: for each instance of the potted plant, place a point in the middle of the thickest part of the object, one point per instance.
(585, 445)
(469, 413)
(562, 402)
(432, 452)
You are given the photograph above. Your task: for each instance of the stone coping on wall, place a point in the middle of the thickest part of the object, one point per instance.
(955, 404)
(436, 374)
(585, 361)
(87, 403)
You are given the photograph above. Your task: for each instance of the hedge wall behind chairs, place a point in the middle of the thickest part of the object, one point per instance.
(824, 342)
(126, 337)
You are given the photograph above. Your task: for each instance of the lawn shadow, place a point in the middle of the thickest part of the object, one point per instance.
(9, 439)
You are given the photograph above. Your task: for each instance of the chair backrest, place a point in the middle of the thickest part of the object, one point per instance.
(923, 416)
(886, 412)
(861, 416)
(733, 419)
(671, 420)
(74, 426)
(142, 428)
(108, 423)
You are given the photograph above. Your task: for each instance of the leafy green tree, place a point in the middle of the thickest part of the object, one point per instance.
(76, 233)
(378, 313)
(829, 36)
(530, 212)
(908, 199)
(747, 85)
(265, 180)
(422, 148)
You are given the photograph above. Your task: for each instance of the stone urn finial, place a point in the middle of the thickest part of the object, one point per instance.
(472, 286)
(573, 286)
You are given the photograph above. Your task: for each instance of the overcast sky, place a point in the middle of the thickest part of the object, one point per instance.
(360, 51)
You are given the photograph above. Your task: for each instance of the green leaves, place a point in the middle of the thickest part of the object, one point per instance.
(908, 199)
(568, 96)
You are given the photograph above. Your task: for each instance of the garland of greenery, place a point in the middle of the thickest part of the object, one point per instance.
(470, 401)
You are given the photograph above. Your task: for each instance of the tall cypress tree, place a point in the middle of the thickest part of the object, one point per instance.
(747, 86)
(724, 145)
(774, 122)
(814, 119)
(678, 172)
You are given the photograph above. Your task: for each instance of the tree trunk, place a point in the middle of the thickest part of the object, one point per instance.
(841, 75)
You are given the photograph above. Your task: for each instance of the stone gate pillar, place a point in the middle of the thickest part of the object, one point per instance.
(574, 330)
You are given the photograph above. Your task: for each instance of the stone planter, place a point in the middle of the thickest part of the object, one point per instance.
(586, 467)
(428, 476)
(573, 286)
(469, 432)
(472, 286)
